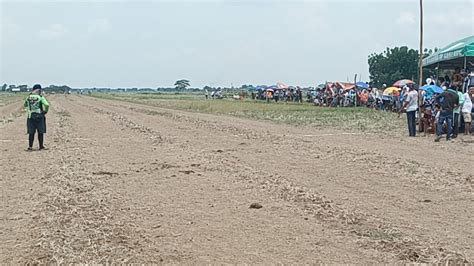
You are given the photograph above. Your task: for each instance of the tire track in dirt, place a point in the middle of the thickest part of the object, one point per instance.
(325, 208)
(424, 173)
(80, 218)
(10, 112)
(372, 232)
(376, 234)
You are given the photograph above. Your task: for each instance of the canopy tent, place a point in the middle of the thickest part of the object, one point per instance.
(457, 54)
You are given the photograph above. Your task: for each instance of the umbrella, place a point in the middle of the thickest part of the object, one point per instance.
(270, 90)
(432, 88)
(362, 85)
(390, 90)
(282, 85)
(402, 83)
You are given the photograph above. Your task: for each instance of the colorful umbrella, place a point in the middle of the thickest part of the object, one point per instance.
(390, 90)
(403, 82)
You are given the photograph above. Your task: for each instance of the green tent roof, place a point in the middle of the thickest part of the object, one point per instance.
(459, 49)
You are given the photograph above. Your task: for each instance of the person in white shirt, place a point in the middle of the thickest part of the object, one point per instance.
(466, 113)
(410, 105)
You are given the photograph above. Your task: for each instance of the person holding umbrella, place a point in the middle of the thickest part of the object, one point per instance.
(410, 105)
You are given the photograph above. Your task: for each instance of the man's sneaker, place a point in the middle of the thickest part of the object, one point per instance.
(437, 139)
(43, 148)
(29, 149)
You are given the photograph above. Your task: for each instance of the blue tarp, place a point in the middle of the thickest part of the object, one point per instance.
(362, 85)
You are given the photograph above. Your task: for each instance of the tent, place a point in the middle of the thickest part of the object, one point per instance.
(457, 54)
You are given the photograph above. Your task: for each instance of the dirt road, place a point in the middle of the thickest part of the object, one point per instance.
(126, 182)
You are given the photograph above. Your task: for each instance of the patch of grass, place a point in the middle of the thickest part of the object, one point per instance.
(6, 98)
(381, 234)
(358, 119)
(64, 113)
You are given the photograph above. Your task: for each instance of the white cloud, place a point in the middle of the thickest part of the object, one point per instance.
(53, 32)
(406, 18)
(99, 25)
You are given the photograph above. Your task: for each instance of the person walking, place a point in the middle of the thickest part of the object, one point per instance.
(410, 105)
(37, 107)
(447, 102)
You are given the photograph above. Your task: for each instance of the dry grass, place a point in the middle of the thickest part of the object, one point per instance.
(7, 98)
(79, 220)
(351, 119)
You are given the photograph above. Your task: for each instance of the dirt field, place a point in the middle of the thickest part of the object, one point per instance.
(124, 182)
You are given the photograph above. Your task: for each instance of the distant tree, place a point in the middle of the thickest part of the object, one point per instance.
(58, 89)
(182, 84)
(4, 87)
(394, 64)
(247, 87)
(207, 88)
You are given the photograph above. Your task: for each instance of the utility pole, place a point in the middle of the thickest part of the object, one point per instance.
(420, 99)
(356, 91)
(421, 45)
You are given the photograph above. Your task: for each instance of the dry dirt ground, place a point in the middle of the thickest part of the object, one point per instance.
(126, 182)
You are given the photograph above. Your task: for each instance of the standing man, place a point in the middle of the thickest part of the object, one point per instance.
(447, 102)
(410, 105)
(37, 107)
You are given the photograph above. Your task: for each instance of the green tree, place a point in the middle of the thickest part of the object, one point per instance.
(4, 87)
(182, 84)
(392, 65)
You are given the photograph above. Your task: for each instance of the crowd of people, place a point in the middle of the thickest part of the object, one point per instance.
(290, 94)
(443, 111)
(440, 104)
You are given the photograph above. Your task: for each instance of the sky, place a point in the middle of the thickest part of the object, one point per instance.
(217, 43)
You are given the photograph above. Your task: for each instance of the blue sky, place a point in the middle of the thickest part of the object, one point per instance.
(216, 43)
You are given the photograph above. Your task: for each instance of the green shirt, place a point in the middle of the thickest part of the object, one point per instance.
(35, 103)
